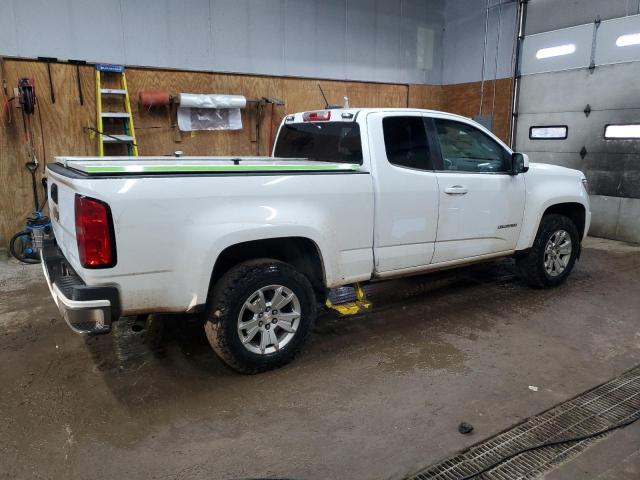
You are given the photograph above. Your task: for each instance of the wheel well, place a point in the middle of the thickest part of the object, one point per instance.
(303, 254)
(575, 211)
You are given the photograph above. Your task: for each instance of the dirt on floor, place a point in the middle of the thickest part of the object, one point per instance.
(372, 397)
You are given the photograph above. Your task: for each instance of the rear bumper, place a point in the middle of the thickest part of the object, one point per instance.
(87, 310)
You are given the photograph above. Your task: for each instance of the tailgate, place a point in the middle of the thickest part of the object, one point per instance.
(62, 212)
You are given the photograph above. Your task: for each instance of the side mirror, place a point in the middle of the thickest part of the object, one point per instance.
(519, 163)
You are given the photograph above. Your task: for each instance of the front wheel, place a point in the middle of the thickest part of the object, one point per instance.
(551, 258)
(260, 315)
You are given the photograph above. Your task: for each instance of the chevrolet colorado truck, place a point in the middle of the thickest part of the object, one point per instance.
(256, 243)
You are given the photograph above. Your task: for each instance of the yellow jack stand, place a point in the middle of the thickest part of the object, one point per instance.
(361, 305)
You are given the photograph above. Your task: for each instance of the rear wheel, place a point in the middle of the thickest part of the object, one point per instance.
(260, 315)
(551, 258)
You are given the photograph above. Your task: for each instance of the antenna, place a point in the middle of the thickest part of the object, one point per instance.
(327, 105)
(326, 102)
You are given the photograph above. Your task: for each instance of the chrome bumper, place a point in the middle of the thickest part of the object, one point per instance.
(87, 310)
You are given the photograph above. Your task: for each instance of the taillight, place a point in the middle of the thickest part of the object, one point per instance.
(319, 116)
(94, 233)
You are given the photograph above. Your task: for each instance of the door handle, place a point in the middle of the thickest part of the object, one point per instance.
(456, 190)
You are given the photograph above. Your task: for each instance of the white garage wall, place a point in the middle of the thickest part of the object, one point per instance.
(372, 40)
(463, 42)
(403, 41)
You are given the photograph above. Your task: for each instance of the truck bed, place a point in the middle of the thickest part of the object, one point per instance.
(96, 166)
(172, 217)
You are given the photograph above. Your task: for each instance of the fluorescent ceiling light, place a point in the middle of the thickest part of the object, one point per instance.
(556, 51)
(622, 131)
(628, 40)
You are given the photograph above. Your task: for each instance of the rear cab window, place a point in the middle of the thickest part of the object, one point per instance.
(405, 141)
(338, 142)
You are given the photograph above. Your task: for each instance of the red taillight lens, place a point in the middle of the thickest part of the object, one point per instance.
(319, 116)
(94, 233)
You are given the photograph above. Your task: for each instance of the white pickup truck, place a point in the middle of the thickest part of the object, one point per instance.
(349, 195)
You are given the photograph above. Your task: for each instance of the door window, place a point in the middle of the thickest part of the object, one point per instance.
(467, 149)
(405, 141)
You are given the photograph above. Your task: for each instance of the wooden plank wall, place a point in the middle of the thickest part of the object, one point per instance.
(61, 131)
(464, 99)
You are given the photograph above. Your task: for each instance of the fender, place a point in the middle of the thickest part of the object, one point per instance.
(242, 233)
(546, 186)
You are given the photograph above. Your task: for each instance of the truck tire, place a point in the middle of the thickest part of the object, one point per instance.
(551, 258)
(259, 315)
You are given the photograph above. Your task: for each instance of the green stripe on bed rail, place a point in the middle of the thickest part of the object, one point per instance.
(216, 168)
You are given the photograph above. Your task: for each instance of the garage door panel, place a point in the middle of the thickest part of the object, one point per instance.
(602, 182)
(579, 37)
(569, 160)
(616, 175)
(604, 215)
(628, 227)
(607, 49)
(630, 185)
(571, 91)
(583, 131)
(545, 15)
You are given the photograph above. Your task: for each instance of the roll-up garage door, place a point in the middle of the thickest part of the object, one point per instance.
(579, 106)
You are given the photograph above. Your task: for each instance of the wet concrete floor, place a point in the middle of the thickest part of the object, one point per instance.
(371, 397)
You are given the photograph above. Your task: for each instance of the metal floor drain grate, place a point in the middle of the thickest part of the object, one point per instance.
(609, 404)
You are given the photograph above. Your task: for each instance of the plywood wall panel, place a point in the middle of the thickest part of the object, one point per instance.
(465, 99)
(426, 96)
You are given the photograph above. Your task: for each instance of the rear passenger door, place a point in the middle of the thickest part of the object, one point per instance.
(481, 204)
(406, 191)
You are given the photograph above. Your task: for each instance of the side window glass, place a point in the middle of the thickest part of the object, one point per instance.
(405, 141)
(467, 149)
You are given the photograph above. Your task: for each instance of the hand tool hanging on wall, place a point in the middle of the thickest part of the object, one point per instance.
(259, 113)
(153, 99)
(48, 60)
(27, 95)
(274, 102)
(27, 101)
(255, 117)
(77, 63)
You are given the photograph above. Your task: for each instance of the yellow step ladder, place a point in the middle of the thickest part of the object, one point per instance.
(127, 135)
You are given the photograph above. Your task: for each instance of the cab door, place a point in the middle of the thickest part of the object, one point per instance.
(406, 190)
(481, 204)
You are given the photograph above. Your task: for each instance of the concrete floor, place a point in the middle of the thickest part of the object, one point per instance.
(372, 397)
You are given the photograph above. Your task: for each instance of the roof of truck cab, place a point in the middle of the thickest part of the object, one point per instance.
(354, 113)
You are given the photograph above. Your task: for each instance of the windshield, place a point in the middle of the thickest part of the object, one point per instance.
(322, 141)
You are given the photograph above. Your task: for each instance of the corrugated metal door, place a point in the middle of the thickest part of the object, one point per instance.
(584, 78)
